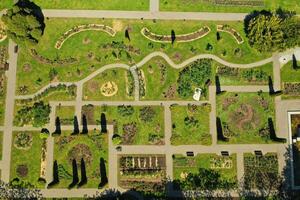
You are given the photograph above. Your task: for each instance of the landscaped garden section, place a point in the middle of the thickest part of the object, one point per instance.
(3, 68)
(260, 169)
(160, 81)
(240, 76)
(34, 114)
(190, 125)
(142, 172)
(94, 4)
(26, 156)
(114, 84)
(245, 118)
(290, 72)
(225, 166)
(290, 78)
(90, 151)
(65, 114)
(85, 52)
(135, 125)
(227, 5)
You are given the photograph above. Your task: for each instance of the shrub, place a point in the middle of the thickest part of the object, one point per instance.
(23, 140)
(147, 114)
(125, 110)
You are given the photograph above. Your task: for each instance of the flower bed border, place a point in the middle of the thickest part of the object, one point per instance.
(231, 31)
(152, 36)
(81, 28)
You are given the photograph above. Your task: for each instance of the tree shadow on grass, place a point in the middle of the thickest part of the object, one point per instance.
(273, 135)
(55, 180)
(83, 180)
(76, 126)
(75, 175)
(220, 134)
(104, 179)
(103, 123)
(84, 125)
(57, 126)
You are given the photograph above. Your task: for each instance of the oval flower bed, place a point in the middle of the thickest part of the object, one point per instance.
(80, 28)
(226, 28)
(179, 38)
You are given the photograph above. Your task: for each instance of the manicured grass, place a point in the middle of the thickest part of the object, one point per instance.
(97, 148)
(65, 114)
(145, 130)
(185, 133)
(92, 90)
(288, 74)
(183, 164)
(30, 157)
(94, 4)
(239, 80)
(159, 77)
(2, 97)
(205, 6)
(245, 115)
(78, 47)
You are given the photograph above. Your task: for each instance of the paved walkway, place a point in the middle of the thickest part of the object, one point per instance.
(144, 14)
(154, 6)
(9, 111)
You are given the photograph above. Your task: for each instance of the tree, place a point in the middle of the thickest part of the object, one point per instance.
(103, 123)
(24, 23)
(268, 31)
(103, 175)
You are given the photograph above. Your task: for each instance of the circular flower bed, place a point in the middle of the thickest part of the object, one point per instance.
(22, 170)
(80, 151)
(23, 140)
(109, 89)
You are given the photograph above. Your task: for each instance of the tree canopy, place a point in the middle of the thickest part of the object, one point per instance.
(24, 23)
(269, 32)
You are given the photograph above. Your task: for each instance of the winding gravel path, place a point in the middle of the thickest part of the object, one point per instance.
(144, 61)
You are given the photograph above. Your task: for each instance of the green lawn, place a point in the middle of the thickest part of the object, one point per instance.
(239, 77)
(190, 125)
(147, 132)
(3, 44)
(206, 6)
(244, 117)
(183, 164)
(31, 158)
(288, 74)
(93, 49)
(91, 147)
(6, 4)
(66, 114)
(117, 89)
(94, 4)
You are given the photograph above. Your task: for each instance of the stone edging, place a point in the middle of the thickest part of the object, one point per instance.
(179, 38)
(231, 31)
(80, 28)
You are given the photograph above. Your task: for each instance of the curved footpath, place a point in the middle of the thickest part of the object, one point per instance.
(147, 59)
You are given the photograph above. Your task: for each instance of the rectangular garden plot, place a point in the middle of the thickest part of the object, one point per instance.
(65, 114)
(246, 118)
(239, 76)
(260, 170)
(190, 125)
(89, 151)
(136, 125)
(141, 172)
(225, 166)
(26, 154)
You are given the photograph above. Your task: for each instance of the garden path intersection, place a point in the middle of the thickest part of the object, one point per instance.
(282, 106)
